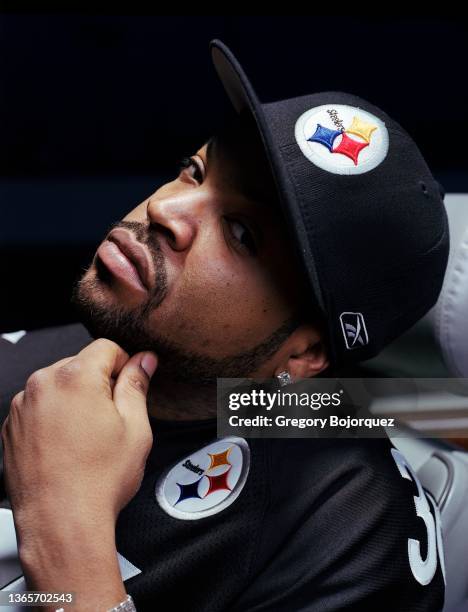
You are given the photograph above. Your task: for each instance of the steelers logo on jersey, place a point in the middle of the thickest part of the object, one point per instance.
(207, 481)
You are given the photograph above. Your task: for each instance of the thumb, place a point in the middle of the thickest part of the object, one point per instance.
(132, 384)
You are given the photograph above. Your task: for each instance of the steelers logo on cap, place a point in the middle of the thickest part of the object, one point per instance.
(342, 139)
(207, 481)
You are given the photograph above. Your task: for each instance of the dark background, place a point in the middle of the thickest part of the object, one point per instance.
(96, 111)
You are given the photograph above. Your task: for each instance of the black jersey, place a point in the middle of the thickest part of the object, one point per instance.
(318, 525)
(279, 525)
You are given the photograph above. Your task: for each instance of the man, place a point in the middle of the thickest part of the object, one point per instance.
(286, 265)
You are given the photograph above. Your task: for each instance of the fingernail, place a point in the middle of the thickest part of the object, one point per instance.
(148, 362)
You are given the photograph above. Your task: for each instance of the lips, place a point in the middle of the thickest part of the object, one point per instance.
(127, 259)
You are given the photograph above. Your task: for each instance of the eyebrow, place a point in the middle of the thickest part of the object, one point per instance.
(249, 194)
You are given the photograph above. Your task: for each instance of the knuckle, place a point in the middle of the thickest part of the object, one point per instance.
(104, 343)
(36, 382)
(16, 401)
(67, 374)
(107, 345)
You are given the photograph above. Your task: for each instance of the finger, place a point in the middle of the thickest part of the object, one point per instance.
(104, 356)
(16, 405)
(13, 417)
(132, 385)
(4, 431)
(62, 362)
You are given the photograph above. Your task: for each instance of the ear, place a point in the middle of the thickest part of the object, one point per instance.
(306, 354)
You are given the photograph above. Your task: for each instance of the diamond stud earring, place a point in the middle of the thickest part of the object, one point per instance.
(284, 378)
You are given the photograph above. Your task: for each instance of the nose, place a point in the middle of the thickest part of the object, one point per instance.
(176, 218)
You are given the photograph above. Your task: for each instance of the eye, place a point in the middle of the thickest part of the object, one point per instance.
(192, 167)
(242, 235)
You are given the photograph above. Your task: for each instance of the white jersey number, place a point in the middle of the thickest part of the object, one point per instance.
(423, 569)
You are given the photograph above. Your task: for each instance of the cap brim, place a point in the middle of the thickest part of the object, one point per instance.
(233, 78)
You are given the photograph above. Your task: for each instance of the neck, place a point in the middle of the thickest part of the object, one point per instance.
(179, 402)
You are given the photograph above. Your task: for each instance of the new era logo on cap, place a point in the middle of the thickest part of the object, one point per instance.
(354, 329)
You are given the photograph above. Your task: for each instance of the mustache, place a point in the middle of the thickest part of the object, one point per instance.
(149, 238)
(141, 232)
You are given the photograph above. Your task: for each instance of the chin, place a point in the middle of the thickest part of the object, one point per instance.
(104, 316)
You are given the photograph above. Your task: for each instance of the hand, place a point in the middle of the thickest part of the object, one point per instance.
(77, 438)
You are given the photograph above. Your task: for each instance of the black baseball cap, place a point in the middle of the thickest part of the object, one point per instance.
(363, 210)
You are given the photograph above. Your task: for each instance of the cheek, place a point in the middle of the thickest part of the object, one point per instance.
(219, 309)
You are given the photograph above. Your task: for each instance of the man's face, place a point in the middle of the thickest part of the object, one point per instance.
(217, 284)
